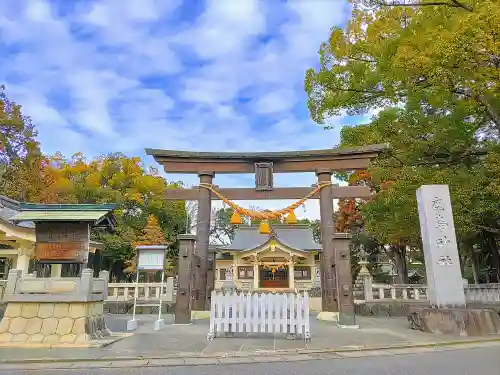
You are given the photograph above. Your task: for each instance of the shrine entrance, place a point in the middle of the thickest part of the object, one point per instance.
(274, 277)
(336, 280)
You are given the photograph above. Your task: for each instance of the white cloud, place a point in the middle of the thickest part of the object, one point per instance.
(225, 28)
(275, 102)
(104, 76)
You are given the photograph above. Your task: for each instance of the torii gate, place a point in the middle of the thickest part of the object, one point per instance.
(323, 162)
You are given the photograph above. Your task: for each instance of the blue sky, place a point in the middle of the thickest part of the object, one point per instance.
(215, 75)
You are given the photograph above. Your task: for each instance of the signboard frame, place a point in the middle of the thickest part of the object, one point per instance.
(142, 252)
(62, 242)
(146, 254)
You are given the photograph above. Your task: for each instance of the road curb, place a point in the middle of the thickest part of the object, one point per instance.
(190, 358)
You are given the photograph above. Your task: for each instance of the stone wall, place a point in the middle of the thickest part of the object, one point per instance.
(54, 311)
(53, 323)
(387, 308)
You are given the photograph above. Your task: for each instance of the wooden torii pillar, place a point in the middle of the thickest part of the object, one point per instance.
(323, 162)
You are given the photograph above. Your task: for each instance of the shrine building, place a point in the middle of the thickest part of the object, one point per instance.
(286, 258)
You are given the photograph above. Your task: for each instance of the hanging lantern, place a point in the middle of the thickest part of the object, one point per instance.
(291, 218)
(235, 219)
(264, 227)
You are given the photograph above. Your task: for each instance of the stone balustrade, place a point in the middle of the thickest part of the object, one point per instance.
(381, 292)
(124, 292)
(78, 289)
(484, 293)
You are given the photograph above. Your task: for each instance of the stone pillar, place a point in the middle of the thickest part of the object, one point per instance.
(256, 275)
(344, 278)
(55, 270)
(183, 299)
(442, 263)
(24, 254)
(329, 301)
(104, 275)
(12, 279)
(202, 241)
(368, 288)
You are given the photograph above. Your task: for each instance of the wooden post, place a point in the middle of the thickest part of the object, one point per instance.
(183, 299)
(341, 243)
(328, 272)
(202, 241)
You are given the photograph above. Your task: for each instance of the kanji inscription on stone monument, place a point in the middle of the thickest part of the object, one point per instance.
(442, 265)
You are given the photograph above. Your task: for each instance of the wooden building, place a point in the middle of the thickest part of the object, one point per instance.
(287, 258)
(18, 238)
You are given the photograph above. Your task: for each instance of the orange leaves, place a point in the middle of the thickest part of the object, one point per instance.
(360, 178)
(152, 234)
(347, 215)
(384, 186)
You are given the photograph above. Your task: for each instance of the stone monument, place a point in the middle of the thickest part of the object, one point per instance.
(442, 264)
(448, 313)
(58, 311)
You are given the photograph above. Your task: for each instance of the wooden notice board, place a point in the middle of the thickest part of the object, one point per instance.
(61, 242)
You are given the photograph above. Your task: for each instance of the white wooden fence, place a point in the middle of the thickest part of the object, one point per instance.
(253, 312)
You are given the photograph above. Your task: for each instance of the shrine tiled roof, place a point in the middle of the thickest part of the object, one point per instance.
(9, 208)
(298, 237)
(93, 213)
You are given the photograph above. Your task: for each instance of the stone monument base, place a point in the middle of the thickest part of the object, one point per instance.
(53, 323)
(455, 321)
(55, 312)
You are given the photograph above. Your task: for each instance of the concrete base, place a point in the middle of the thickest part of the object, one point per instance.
(195, 315)
(158, 324)
(328, 316)
(456, 321)
(132, 325)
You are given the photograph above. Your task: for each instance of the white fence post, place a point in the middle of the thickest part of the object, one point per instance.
(254, 312)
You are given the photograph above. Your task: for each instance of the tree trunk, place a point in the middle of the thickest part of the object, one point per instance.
(495, 255)
(398, 255)
(474, 264)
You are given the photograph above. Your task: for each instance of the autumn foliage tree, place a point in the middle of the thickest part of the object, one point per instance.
(144, 217)
(20, 156)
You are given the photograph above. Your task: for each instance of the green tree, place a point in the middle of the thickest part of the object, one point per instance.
(443, 56)
(434, 72)
(221, 230)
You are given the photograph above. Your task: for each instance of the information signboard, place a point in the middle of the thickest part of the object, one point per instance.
(62, 242)
(150, 259)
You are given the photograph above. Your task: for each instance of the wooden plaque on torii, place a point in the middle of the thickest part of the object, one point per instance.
(263, 164)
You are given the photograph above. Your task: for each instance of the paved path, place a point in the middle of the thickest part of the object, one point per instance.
(190, 341)
(482, 360)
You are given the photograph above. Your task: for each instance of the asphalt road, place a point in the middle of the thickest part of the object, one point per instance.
(476, 361)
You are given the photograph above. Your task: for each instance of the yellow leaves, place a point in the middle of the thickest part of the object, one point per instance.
(135, 197)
